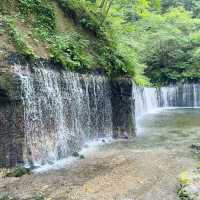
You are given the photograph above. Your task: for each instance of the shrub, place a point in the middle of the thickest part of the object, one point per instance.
(69, 51)
(18, 172)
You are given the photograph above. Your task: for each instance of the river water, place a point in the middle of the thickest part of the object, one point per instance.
(145, 168)
(169, 128)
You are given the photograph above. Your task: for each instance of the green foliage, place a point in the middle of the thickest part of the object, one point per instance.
(89, 16)
(184, 179)
(112, 61)
(18, 172)
(85, 14)
(143, 7)
(164, 46)
(183, 195)
(69, 50)
(190, 5)
(18, 38)
(40, 12)
(66, 49)
(5, 6)
(155, 41)
(171, 47)
(187, 180)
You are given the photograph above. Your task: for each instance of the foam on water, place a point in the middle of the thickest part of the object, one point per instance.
(89, 148)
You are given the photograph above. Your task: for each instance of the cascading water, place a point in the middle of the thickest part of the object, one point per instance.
(63, 110)
(146, 100)
(186, 95)
(150, 99)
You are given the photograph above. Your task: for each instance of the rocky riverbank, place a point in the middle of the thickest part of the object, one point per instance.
(111, 173)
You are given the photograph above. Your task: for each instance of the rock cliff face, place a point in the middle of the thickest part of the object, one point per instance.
(11, 118)
(123, 108)
(46, 114)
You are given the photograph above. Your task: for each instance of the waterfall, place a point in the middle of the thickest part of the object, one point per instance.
(146, 100)
(150, 99)
(184, 95)
(62, 111)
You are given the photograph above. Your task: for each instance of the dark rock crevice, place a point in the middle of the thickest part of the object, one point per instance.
(3, 96)
(122, 108)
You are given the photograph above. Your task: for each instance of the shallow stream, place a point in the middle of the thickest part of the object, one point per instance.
(145, 168)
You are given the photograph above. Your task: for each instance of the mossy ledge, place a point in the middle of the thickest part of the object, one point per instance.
(82, 44)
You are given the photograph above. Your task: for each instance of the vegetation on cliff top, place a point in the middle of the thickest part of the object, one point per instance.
(82, 45)
(149, 40)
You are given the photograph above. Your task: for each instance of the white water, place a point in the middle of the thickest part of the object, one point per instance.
(63, 111)
(149, 100)
(88, 148)
(146, 100)
(186, 95)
